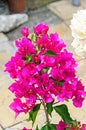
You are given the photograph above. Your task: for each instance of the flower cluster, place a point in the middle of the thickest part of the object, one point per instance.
(78, 27)
(63, 126)
(43, 70)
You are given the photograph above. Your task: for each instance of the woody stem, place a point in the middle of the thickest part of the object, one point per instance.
(46, 114)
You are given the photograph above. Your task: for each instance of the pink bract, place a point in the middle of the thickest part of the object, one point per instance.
(25, 31)
(83, 127)
(41, 29)
(61, 126)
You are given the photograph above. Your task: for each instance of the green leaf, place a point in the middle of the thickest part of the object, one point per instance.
(33, 38)
(49, 108)
(62, 110)
(37, 127)
(67, 128)
(73, 123)
(33, 113)
(49, 127)
(60, 82)
(66, 100)
(46, 127)
(28, 58)
(50, 53)
(53, 126)
(37, 48)
(45, 70)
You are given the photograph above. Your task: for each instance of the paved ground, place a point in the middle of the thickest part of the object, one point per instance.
(57, 15)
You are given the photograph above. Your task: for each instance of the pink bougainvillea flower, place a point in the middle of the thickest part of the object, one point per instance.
(14, 65)
(26, 128)
(83, 127)
(25, 31)
(18, 106)
(25, 47)
(80, 95)
(57, 44)
(41, 29)
(61, 126)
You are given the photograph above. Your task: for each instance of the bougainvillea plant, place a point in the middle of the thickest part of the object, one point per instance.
(44, 74)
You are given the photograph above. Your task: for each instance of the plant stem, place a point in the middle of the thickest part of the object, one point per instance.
(84, 58)
(46, 114)
(56, 102)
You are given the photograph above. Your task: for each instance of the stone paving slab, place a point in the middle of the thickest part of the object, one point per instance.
(83, 3)
(6, 47)
(19, 126)
(64, 9)
(68, 22)
(3, 37)
(81, 70)
(1, 128)
(77, 113)
(3, 59)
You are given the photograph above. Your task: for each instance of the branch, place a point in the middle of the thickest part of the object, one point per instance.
(84, 58)
(46, 114)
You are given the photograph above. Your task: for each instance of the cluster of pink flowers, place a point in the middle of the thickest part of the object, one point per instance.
(43, 72)
(42, 68)
(63, 126)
